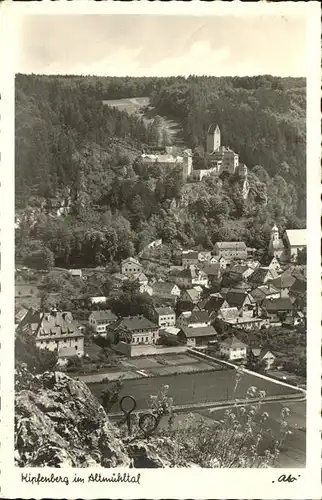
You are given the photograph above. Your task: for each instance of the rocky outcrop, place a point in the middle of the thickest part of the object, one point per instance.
(60, 423)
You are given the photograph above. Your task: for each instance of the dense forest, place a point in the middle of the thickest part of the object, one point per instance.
(73, 151)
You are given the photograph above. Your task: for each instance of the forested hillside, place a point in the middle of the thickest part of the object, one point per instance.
(73, 150)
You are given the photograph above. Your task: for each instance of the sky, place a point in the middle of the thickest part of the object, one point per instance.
(148, 45)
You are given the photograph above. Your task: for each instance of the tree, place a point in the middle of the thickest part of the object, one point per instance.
(38, 360)
(110, 395)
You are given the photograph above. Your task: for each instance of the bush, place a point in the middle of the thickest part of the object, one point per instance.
(74, 363)
(241, 439)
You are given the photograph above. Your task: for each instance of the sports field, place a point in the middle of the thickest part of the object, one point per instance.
(210, 386)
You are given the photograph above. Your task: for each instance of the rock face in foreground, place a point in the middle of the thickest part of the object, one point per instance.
(59, 423)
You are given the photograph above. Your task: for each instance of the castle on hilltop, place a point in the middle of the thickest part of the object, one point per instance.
(170, 158)
(220, 159)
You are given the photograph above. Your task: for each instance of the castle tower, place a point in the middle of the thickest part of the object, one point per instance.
(213, 139)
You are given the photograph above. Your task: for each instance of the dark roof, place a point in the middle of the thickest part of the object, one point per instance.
(260, 274)
(164, 310)
(104, 315)
(233, 245)
(202, 331)
(283, 281)
(280, 304)
(211, 269)
(214, 304)
(191, 272)
(262, 291)
(233, 342)
(136, 323)
(235, 298)
(298, 287)
(198, 317)
(165, 286)
(190, 255)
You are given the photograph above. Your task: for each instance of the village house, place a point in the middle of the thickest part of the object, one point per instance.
(264, 292)
(231, 250)
(283, 283)
(100, 320)
(247, 321)
(130, 267)
(216, 259)
(228, 315)
(164, 316)
(297, 292)
(239, 299)
(198, 336)
(204, 256)
(213, 272)
(193, 319)
(146, 289)
(278, 310)
(134, 330)
(213, 304)
(98, 300)
(253, 263)
(76, 273)
(232, 278)
(190, 277)
(262, 275)
(265, 357)
(140, 278)
(58, 331)
(166, 290)
(233, 349)
(189, 258)
(243, 270)
(274, 265)
(191, 294)
(295, 241)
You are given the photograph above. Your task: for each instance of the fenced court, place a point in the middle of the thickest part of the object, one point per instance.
(197, 387)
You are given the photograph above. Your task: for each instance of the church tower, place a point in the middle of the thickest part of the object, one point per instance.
(276, 246)
(213, 139)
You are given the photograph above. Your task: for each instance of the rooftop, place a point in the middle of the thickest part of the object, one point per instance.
(133, 323)
(280, 304)
(202, 331)
(236, 298)
(104, 315)
(164, 311)
(233, 342)
(233, 245)
(296, 237)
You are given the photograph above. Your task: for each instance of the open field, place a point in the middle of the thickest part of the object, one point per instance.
(211, 386)
(141, 107)
(130, 105)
